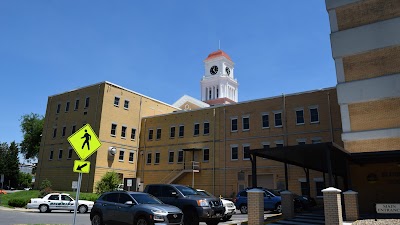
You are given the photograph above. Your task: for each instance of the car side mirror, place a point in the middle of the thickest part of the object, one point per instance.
(129, 203)
(174, 194)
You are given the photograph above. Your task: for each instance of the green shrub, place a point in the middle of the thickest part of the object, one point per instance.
(108, 182)
(45, 184)
(18, 202)
(45, 192)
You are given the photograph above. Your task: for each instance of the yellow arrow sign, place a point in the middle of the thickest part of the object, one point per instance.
(84, 142)
(81, 166)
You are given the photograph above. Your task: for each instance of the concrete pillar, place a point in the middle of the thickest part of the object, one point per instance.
(332, 206)
(255, 206)
(351, 205)
(287, 205)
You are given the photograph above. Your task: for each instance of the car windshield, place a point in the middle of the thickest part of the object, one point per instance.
(187, 190)
(205, 193)
(145, 199)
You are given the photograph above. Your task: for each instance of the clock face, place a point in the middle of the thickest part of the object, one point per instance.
(228, 71)
(214, 70)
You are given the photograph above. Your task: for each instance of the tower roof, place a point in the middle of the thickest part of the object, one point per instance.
(218, 53)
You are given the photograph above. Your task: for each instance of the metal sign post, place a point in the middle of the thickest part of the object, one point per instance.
(77, 196)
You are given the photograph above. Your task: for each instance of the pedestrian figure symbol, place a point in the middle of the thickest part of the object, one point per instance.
(87, 137)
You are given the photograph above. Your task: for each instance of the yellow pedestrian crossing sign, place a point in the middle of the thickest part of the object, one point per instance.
(81, 166)
(84, 142)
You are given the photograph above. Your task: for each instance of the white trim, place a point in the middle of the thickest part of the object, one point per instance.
(187, 98)
(237, 124)
(330, 4)
(126, 100)
(116, 126)
(279, 142)
(208, 155)
(318, 179)
(147, 158)
(333, 20)
(155, 157)
(237, 147)
(295, 112)
(244, 117)
(119, 155)
(133, 160)
(119, 101)
(302, 180)
(173, 158)
(243, 146)
(301, 140)
(339, 70)
(344, 112)
(126, 131)
(371, 134)
(275, 113)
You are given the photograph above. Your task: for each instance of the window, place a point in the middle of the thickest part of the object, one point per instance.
(180, 156)
(301, 142)
(196, 129)
(131, 156)
(299, 117)
(304, 188)
(54, 197)
(73, 129)
(157, 158)
(87, 100)
(121, 155)
(60, 153)
(133, 133)
(51, 155)
(316, 140)
(54, 132)
(265, 121)
(113, 129)
(69, 153)
(279, 144)
(278, 119)
(150, 134)
(234, 153)
(234, 124)
(172, 132)
(314, 117)
(58, 108)
(123, 131)
(265, 146)
(64, 129)
(148, 160)
(116, 101)
(246, 123)
(246, 152)
(171, 157)
(206, 155)
(67, 107)
(126, 104)
(181, 130)
(76, 104)
(158, 137)
(319, 186)
(206, 128)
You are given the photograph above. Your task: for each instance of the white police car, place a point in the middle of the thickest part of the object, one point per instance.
(58, 201)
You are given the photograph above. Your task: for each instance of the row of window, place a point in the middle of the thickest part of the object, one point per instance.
(76, 106)
(117, 101)
(60, 154)
(121, 155)
(181, 132)
(64, 130)
(124, 131)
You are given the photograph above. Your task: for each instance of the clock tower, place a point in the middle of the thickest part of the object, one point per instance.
(218, 85)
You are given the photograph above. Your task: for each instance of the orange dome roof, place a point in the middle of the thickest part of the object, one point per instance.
(218, 54)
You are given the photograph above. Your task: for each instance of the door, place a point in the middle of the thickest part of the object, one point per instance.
(109, 207)
(123, 213)
(169, 196)
(67, 203)
(54, 201)
(269, 203)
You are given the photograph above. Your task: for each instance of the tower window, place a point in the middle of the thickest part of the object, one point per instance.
(278, 119)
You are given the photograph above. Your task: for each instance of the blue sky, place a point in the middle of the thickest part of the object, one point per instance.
(156, 48)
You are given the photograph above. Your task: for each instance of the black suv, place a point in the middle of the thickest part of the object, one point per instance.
(120, 207)
(196, 207)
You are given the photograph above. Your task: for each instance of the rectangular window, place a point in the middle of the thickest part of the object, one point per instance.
(206, 128)
(181, 130)
(304, 188)
(157, 158)
(172, 132)
(246, 152)
(314, 116)
(171, 157)
(279, 145)
(234, 124)
(87, 101)
(319, 186)
(265, 121)
(133, 133)
(126, 104)
(51, 155)
(54, 132)
(67, 107)
(121, 155)
(265, 146)
(246, 123)
(158, 135)
(64, 129)
(60, 153)
(180, 156)
(58, 108)
(301, 142)
(76, 104)
(196, 130)
(299, 117)
(206, 155)
(316, 141)
(69, 153)
(131, 156)
(73, 129)
(148, 160)
(150, 134)
(113, 129)
(123, 131)
(116, 101)
(234, 153)
(278, 119)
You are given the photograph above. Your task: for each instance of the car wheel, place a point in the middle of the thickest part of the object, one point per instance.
(142, 221)
(278, 208)
(82, 209)
(97, 220)
(190, 217)
(43, 208)
(212, 222)
(226, 218)
(243, 209)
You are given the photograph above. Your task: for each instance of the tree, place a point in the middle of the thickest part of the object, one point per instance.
(9, 163)
(32, 128)
(108, 182)
(24, 180)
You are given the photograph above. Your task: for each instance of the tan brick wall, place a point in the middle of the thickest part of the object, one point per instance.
(374, 145)
(374, 115)
(256, 208)
(332, 208)
(351, 206)
(366, 12)
(372, 64)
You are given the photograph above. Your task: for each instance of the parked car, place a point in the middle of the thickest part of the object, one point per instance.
(58, 201)
(272, 201)
(123, 207)
(230, 208)
(301, 202)
(195, 206)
